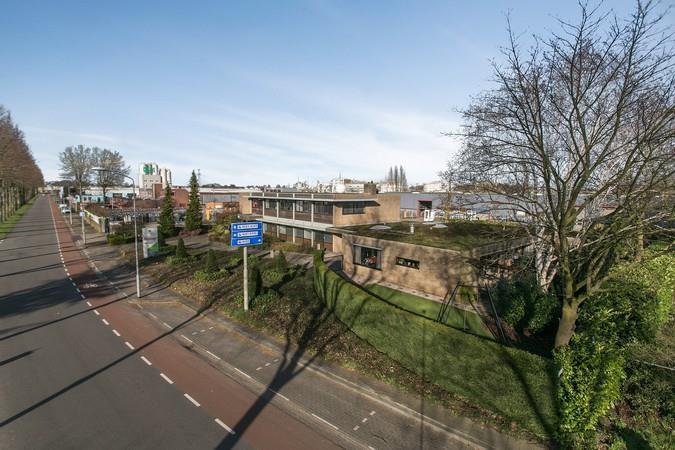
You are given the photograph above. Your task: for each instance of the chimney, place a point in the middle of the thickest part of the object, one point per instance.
(370, 188)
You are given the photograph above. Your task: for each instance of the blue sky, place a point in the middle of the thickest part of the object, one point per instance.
(257, 92)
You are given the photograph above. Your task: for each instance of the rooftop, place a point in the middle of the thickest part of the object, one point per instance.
(459, 235)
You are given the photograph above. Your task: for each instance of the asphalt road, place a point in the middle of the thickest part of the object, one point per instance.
(81, 369)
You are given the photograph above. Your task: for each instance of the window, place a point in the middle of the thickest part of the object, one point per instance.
(327, 238)
(282, 229)
(301, 206)
(286, 205)
(265, 227)
(299, 232)
(308, 234)
(367, 256)
(405, 262)
(323, 208)
(353, 208)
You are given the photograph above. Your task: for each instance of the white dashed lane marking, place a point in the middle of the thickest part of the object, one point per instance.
(129, 345)
(97, 313)
(220, 422)
(146, 360)
(167, 379)
(116, 333)
(88, 303)
(105, 321)
(192, 400)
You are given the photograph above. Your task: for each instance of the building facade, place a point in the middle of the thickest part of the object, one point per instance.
(309, 219)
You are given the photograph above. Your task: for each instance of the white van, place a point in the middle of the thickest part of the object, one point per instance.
(63, 207)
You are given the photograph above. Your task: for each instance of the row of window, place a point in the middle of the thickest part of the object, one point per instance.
(300, 233)
(320, 208)
(372, 258)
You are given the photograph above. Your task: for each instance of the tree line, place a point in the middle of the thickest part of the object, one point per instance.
(20, 176)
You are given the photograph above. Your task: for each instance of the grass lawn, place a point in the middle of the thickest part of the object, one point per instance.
(454, 317)
(8, 225)
(458, 235)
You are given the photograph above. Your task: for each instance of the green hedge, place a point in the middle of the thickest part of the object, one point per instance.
(516, 385)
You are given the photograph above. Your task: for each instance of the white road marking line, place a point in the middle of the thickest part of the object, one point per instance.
(88, 303)
(365, 419)
(371, 448)
(166, 324)
(372, 413)
(186, 338)
(355, 428)
(97, 313)
(192, 400)
(220, 422)
(267, 364)
(276, 360)
(67, 273)
(258, 368)
(210, 328)
(201, 331)
(325, 421)
(152, 315)
(83, 297)
(78, 290)
(167, 379)
(116, 333)
(279, 394)
(129, 345)
(215, 356)
(194, 333)
(243, 373)
(105, 321)
(146, 360)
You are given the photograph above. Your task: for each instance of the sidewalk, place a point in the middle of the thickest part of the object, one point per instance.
(364, 411)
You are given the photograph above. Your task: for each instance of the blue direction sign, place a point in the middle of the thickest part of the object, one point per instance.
(244, 234)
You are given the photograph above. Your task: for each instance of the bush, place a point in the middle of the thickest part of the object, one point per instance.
(181, 252)
(233, 261)
(254, 281)
(280, 263)
(262, 303)
(272, 277)
(211, 265)
(590, 379)
(204, 276)
(120, 238)
(524, 306)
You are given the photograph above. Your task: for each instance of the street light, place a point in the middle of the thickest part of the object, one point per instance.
(133, 187)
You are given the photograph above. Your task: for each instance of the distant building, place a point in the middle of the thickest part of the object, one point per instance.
(435, 186)
(149, 175)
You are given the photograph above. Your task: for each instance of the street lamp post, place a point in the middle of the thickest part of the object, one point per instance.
(133, 187)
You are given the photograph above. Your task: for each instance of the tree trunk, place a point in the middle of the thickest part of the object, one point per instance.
(639, 241)
(570, 312)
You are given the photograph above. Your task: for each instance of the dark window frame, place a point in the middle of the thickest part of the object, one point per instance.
(406, 262)
(358, 257)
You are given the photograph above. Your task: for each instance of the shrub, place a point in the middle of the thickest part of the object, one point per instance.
(254, 281)
(272, 277)
(204, 276)
(120, 238)
(262, 302)
(181, 252)
(590, 379)
(280, 263)
(524, 305)
(233, 261)
(211, 265)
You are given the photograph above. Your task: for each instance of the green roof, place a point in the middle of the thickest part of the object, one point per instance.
(459, 235)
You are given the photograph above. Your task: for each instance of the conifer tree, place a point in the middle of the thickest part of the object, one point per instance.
(181, 252)
(211, 262)
(193, 215)
(166, 223)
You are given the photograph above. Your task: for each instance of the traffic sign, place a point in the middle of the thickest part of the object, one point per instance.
(244, 234)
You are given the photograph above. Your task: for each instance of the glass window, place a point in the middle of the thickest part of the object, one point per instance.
(323, 208)
(353, 208)
(299, 232)
(308, 234)
(264, 227)
(282, 229)
(405, 262)
(367, 256)
(327, 238)
(286, 205)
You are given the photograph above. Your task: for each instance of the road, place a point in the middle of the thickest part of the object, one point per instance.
(81, 369)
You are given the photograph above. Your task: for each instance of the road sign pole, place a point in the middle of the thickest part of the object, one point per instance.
(245, 278)
(70, 213)
(84, 233)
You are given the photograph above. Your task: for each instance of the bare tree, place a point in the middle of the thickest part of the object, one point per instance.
(114, 168)
(20, 176)
(76, 163)
(577, 138)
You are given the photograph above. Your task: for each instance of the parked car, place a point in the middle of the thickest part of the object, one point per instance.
(64, 208)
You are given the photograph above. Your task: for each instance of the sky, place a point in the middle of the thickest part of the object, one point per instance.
(256, 92)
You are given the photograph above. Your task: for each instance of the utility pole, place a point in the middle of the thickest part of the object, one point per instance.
(245, 278)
